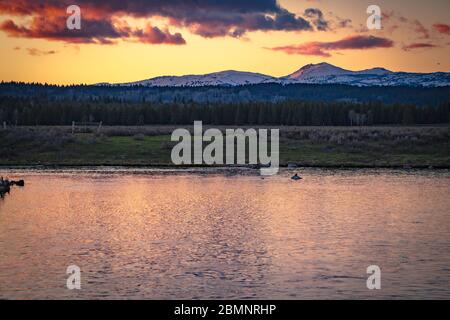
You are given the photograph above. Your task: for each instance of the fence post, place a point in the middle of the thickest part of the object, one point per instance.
(73, 127)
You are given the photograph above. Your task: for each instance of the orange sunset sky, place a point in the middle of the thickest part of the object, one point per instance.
(123, 41)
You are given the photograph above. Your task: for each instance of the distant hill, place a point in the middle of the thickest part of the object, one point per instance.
(224, 78)
(322, 73)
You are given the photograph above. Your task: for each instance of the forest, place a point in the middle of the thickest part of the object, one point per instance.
(32, 111)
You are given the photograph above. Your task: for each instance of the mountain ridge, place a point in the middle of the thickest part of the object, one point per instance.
(321, 73)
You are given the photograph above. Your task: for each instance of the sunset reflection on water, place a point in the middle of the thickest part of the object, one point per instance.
(196, 235)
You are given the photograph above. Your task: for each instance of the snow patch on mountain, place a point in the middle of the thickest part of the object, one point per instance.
(224, 78)
(316, 71)
(322, 73)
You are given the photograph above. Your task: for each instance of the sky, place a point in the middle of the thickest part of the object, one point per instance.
(124, 41)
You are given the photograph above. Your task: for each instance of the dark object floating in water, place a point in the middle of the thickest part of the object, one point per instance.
(296, 177)
(19, 183)
(5, 185)
(4, 189)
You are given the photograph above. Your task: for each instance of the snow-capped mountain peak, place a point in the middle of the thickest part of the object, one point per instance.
(321, 73)
(222, 78)
(316, 70)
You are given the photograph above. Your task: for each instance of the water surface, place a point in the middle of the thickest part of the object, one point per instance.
(206, 234)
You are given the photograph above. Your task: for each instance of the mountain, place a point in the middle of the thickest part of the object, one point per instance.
(374, 71)
(316, 71)
(322, 73)
(224, 78)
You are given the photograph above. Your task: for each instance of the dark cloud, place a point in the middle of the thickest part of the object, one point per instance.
(154, 35)
(92, 31)
(442, 28)
(420, 29)
(237, 25)
(393, 21)
(344, 23)
(335, 22)
(317, 18)
(54, 28)
(323, 48)
(207, 18)
(418, 45)
(394, 17)
(38, 52)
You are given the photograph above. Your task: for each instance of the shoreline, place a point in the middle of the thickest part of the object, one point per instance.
(185, 167)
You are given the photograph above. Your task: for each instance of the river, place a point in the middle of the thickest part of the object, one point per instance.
(221, 234)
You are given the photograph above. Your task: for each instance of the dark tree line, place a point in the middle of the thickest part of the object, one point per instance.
(269, 92)
(44, 111)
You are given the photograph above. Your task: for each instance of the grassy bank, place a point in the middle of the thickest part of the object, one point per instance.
(305, 146)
